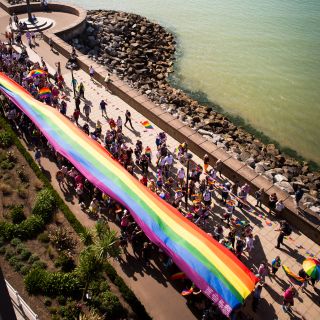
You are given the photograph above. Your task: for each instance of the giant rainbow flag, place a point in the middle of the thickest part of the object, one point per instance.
(211, 266)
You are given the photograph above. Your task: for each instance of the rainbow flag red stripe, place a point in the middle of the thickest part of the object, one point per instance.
(147, 124)
(36, 73)
(209, 265)
(44, 92)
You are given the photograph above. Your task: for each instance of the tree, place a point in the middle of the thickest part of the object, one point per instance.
(86, 237)
(90, 267)
(107, 246)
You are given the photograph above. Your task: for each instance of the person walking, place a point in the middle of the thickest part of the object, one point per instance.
(81, 90)
(103, 106)
(37, 157)
(76, 115)
(288, 298)
(206, 160)
(119, 123)
(128, 119)
(87, 111)
(259, 195)
(285, 230)
(91, 72)
(275, 265)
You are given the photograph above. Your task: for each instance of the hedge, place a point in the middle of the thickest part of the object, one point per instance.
(127, 293)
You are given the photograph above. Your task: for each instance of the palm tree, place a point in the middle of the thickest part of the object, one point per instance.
(107, 245)
(90, 267)
(86, 237)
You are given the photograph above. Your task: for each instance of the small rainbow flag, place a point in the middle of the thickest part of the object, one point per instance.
(147, 124)
(44, 92)
(187, 292)
(178, 276)
(294, 278)
(36, 73)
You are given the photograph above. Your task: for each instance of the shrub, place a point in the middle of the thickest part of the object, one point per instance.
(13, 261)
(65, 262)
(47, 302)
(10, 156)
(62, 300)
(53, 311)
(61, 240)
(25, 270)
(30, 227)
(6, 164)
(45, 204)
(44, 237)
(20, 247)
(24, 255)
(22, 192)
(16, 214)
(33, 258)
(17, 266)
(22, 175)
(35, 281)
(39, 265)
(15, 241)
(5, 139)
(109, 304)
(9, 253)
(6, 189)
(7, 230)
(70, 311)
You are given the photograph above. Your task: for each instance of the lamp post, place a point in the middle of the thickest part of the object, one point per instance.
(189, 157)
(29, 11)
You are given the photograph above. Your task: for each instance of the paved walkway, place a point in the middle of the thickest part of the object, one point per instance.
(157, 294)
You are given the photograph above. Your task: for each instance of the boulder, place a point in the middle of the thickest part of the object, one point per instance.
(279, 177)
(285, 186)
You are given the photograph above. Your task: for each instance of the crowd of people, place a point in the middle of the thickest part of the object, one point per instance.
(191, 191)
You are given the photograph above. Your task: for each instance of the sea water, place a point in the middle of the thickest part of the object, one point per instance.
(258, 59)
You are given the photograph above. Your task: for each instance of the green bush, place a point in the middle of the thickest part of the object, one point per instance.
(109, 304)
(35, 281)
(53, 311)
(9, 253)
(30, 227)
(7, 165)
(13, 261)
(24, 255)
(33, 258)
(45, 204)
(20, 247)
(44, 237)
(62, 300)
(39, 265)
(18, 266)
(5, 139)
(70, 311)
(15, 241)
(25, 270)
(65, 262)
(7, 230)
(16, 214)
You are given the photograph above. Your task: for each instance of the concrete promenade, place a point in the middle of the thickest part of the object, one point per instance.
(158, 295)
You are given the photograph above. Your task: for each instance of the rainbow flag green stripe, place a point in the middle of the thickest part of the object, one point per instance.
(211, 266)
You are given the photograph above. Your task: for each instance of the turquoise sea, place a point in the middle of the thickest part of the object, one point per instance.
(259, 59)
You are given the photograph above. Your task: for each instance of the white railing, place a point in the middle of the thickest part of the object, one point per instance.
(20, 304)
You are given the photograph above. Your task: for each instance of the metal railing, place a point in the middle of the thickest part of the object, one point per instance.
(20, 304)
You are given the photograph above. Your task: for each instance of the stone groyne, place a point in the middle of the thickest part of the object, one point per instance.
(142, 54)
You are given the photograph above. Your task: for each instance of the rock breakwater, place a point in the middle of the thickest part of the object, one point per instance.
(142, 53)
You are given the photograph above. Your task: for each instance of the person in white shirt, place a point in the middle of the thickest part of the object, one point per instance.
(181, 175)
(249, 243)
(279, 206)
(207, 197)
(119, 123)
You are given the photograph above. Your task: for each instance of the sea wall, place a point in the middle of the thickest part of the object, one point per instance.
(173, 116)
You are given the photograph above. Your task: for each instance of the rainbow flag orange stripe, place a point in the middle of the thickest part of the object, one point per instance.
(44, 92)
(212, 267)
(147, 124)
(36, 73)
